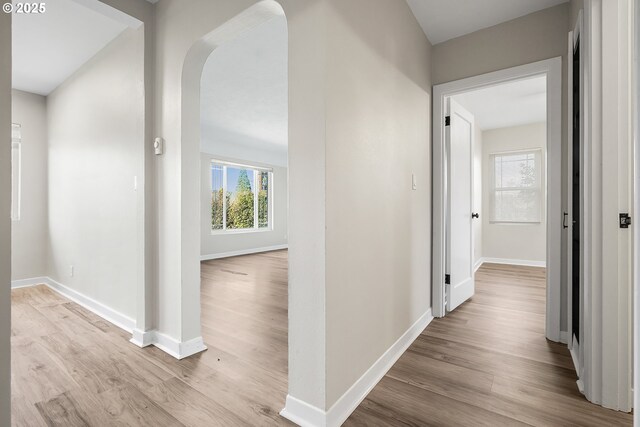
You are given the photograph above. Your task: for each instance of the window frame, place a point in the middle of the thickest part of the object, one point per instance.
(16, 172)
(538, 156)
(256, 169)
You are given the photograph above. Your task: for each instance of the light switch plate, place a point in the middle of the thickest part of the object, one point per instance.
(158, 146)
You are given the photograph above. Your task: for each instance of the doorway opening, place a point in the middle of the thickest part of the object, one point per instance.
(496, 146)
(78, 195)
(517, 176)
(244, 212)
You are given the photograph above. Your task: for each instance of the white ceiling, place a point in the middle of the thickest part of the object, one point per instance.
(244, 99)
(443, 20)
(510, 104)
(49, 47)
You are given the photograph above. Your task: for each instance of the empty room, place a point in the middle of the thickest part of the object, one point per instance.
(244, 297)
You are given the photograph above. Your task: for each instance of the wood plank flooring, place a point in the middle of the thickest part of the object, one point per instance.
(486, 364)
(71, 368)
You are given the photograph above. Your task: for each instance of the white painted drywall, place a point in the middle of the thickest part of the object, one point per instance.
(378, 229)
(216, 244)
(182, 26)
(244, 95)
(525, 242)
(5, 219)
(59, 41)
(534, 37)
(29, 235)
(443, 21)
(96, 121)
(477, 195)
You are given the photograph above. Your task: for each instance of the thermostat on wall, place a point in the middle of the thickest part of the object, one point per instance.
(158, 145)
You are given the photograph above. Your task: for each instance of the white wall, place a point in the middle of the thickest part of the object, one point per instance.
(190, 30)
(29, 235)
(378, 228)
(5, 219)
(213, 245)
(477, 195)
(525, 242)
(96, 121)
(534, 37)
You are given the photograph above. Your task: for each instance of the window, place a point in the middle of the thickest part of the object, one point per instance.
(16, 164)
(516, 194)
(240, 197)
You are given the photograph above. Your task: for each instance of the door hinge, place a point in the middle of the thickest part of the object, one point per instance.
(625, 220)
(447, 279)
(447, 121)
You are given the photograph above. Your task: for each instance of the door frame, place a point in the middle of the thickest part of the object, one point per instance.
(575, 348)
(552, 69)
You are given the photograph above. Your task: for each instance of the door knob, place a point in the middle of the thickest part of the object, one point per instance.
(475, 215)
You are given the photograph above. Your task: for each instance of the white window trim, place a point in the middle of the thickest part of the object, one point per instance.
(255, 229)
(539, 172)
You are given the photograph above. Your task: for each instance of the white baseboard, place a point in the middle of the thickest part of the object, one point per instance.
(25, 283)
(120, 320)
(564, 337)
(178, 349)
(169, 345)
(175, 348)
(143, 338)
(478, 264)
(304, 414)
(242, 252)
(523, 262)
(107, 313)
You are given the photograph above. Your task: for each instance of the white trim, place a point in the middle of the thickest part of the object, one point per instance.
(107, 313)
(636, 209)
(169, 345)
(142, 338)
(120, 320)
(304, 414)
(177, 349)
(25, 283)
(575, 358)
(509, 261)
(564, 338)
(605, 341)
(552, 68)
(478, 264)
(243, 252)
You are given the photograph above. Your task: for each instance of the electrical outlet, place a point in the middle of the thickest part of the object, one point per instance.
(71, 271)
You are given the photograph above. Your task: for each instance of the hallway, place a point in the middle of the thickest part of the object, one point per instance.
(487, 363)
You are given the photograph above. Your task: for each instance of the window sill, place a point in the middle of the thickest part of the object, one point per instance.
(232, 232)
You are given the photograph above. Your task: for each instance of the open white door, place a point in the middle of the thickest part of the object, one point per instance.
(460, 284)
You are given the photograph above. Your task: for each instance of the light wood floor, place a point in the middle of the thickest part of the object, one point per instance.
(71, 368)
(486, 364)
